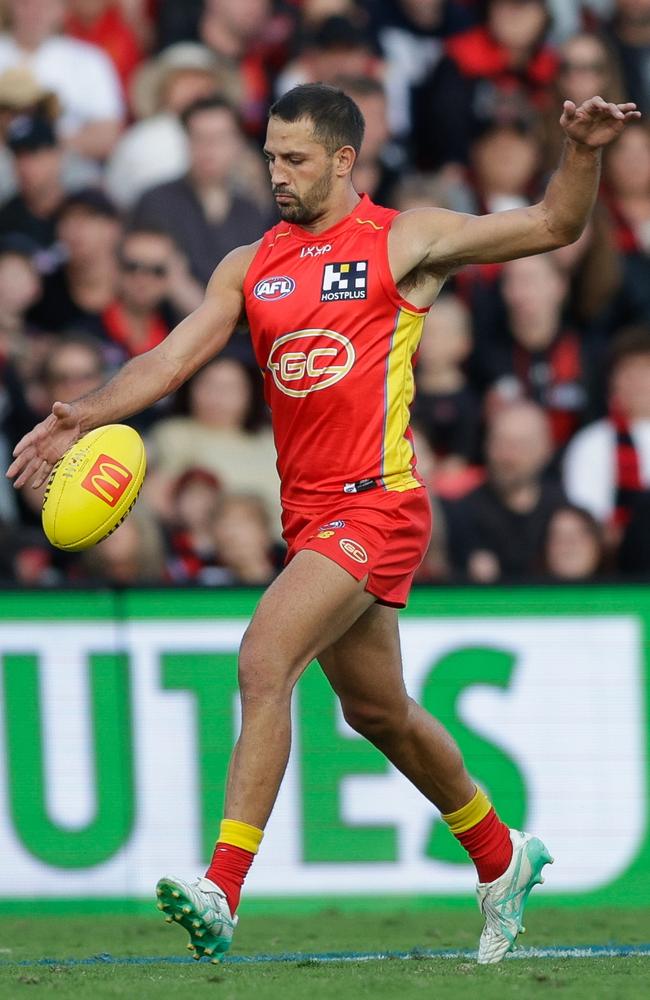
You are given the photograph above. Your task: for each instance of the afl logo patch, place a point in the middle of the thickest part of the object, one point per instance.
(354, 550)
(272, 289)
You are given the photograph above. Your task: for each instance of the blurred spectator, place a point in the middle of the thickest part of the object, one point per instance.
(496, 532)
(149, 297)
(78, 292)
(593, 267)
(21, 94)
(630, 33)
(155, 148)
(19, 285)
(81, 75)
(199, 210)
(588, 66)
(133, 555)
(627, 195)
(336, 47)
(252, 37)
(505, 163)
(73, 367)
(244, 542)
(378, 165)
(446, 408)
(497, 72)
(177, 22)
(20, 288)
(573, 547)
(196, 498)
(38, 167)
(410, 33)
(432, 190)
(215, 437)
(102, 23)
(607, 464)
(543, 360)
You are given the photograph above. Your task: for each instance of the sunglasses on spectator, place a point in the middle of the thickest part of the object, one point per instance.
(582, 67)
(131, 266)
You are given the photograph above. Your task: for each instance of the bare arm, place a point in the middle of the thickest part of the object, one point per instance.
(145, 379)
(447, 240)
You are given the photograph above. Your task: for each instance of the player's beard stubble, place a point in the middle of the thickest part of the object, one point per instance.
(305, 210)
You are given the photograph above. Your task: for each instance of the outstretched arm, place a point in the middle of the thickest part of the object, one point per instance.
(447, 240)
(145, 379)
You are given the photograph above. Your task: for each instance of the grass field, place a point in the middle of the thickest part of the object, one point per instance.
(158, 969)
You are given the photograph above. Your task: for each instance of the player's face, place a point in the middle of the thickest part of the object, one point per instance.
(302, 171)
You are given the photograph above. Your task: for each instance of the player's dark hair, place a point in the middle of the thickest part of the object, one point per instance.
(336, 119)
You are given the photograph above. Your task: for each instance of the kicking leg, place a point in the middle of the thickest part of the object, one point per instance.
(310, 605)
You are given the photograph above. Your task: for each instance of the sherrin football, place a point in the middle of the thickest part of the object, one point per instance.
(93, 487)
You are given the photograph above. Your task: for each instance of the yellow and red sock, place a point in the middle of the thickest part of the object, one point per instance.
(485, 838)
(234, 853)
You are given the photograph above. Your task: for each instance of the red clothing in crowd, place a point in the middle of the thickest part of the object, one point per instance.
(110, 32)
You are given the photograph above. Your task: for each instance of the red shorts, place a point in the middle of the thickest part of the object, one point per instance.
(381, 534)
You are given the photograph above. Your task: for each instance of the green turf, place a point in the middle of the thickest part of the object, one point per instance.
(578, 979)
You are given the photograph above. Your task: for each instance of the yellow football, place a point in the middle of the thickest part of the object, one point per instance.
(93, 487)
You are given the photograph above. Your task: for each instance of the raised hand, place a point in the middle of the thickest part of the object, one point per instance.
(37, 452)
(595, 123)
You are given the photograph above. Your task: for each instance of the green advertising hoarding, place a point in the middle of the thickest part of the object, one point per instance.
(118, 712)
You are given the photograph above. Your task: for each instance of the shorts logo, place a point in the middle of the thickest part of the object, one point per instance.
(345, 281)
(272, 289)
(108, 479)
(324, 534)
(332, 524)
(309, 360)
(354, 550)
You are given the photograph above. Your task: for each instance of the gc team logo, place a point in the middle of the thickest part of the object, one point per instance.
(107, 479)
(309, 360)
(354, 550)
(272, 289)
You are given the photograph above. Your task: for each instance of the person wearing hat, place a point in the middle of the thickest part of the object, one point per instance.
(81, 75)
(37, 162)
(154, 149)
(77, 293)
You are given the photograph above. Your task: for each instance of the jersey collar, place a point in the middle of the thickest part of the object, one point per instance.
(339, 227)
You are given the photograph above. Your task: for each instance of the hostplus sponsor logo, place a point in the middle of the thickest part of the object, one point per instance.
(273, 289)
(344, 281)
(317, 250)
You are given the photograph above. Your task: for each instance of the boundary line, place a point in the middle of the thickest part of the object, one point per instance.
(324, 958)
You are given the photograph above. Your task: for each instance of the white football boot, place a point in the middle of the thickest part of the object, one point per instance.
(202, 909)
(502, 902)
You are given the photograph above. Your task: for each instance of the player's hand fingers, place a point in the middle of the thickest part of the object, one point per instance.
(631, 115)
(615, 111)
(41, 475)
(18, 463)
(29, 470)
(61, 411)
(629, 106)
(569, 109)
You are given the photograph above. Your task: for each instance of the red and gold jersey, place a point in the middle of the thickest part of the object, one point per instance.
(335, 341)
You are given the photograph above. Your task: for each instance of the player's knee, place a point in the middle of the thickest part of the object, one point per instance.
(264, 673)
(374, 721)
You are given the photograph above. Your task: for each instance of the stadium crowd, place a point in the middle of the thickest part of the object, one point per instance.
(131, 164)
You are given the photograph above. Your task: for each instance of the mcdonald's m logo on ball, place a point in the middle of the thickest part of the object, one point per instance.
(107, 479)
